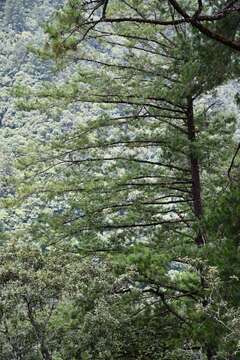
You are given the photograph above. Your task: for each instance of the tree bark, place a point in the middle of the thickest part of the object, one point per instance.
(195, 170)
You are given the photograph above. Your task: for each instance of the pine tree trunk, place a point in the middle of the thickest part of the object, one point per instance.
(195, 170)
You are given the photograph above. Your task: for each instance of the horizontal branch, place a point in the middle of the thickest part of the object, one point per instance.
(132, 225)
(129, 160)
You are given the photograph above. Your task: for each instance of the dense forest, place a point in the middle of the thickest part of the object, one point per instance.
(120, 173)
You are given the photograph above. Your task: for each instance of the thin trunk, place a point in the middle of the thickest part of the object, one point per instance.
(44, 350)
(210, 354)
(195, 171)
(39, 332)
